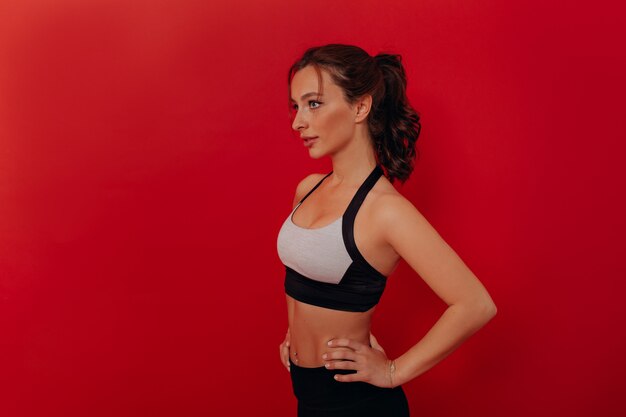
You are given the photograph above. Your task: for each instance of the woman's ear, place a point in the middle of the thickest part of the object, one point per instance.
(363, 107)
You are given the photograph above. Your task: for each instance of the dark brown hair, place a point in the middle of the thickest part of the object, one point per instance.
(393, 123)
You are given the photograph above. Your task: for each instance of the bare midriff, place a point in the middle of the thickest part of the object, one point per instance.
(311, 327)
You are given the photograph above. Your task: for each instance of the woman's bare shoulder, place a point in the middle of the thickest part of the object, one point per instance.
(389, 204)
(305, 185)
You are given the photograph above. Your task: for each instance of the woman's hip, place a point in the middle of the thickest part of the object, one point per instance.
(317, 391)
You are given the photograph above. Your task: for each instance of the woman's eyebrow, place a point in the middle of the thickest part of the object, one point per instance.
(312, 93)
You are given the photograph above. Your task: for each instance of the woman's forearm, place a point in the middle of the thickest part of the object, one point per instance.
(456, 324)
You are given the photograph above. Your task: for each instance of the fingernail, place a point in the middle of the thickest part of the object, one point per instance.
(324, 356)
(330, 342)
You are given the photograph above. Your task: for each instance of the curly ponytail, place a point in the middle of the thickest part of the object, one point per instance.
(393, 123)
(395, 126)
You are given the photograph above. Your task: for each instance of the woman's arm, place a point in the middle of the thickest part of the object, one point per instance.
(469, 305)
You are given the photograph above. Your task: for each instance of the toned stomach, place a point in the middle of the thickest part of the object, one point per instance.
(311, 327)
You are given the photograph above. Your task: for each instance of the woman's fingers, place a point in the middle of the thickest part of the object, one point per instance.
(354, 377)
(284, 355)
(284, 351)
(371, 364)
(349, 355)
(349, 343)
(374, 343)
(341, 365)
(280, 352)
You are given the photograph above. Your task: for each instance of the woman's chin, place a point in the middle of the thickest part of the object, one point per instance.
(315, 153)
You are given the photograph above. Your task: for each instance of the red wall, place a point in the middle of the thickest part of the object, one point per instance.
(146, 165)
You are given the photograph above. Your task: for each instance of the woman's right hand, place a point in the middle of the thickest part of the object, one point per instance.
(284, 351)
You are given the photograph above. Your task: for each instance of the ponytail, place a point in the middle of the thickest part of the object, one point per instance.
(395, 126)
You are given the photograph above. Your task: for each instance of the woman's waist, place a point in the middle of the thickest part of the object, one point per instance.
(308, 341)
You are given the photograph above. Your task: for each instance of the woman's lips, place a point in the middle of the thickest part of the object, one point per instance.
(309, 141)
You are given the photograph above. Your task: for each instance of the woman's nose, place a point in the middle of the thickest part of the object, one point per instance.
(298, 122)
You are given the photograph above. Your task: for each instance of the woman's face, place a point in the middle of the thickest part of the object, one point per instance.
(329, 118)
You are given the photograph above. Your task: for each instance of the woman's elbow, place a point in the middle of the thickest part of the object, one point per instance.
(489, 309)
(484, 308)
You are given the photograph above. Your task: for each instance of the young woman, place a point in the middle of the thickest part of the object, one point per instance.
(347, 232)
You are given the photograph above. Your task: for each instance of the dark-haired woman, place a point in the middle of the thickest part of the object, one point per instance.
(347, 232)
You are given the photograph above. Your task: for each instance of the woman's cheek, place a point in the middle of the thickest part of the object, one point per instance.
(338, 126)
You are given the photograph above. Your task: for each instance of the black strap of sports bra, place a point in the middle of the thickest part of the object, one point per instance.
(316, 185)
(361, 193)
(350, 215)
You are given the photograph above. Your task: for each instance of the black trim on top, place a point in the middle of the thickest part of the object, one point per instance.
(348, 295)
(349, 216)
(316, 185)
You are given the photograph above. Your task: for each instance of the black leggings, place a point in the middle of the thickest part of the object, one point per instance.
(319, 394)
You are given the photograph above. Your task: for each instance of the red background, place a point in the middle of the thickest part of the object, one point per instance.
(147, 164)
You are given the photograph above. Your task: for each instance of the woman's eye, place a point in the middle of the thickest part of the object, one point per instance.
(314, 104)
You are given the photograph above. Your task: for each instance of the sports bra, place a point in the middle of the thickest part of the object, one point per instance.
(323, 265)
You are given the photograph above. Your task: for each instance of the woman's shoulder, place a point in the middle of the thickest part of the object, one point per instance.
(389, 205)
(305, 185)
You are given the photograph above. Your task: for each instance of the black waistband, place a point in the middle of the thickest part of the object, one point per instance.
(317, 387)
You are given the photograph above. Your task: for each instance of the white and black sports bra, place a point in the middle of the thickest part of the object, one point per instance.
(323, 265)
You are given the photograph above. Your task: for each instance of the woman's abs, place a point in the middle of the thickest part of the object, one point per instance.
(311, 328)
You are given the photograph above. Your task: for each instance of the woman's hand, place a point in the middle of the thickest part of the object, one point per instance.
(284, 350)
(374, 343)
(371, 363)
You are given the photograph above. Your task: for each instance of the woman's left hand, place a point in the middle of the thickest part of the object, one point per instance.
(371, 364)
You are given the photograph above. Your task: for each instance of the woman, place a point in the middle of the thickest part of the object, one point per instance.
(347, 232)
